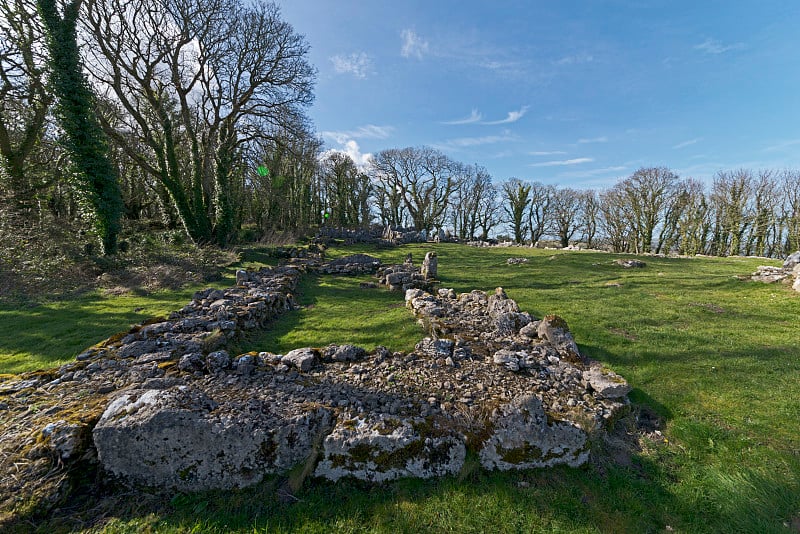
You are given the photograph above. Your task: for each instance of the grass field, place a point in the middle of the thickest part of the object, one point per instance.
(716, 357)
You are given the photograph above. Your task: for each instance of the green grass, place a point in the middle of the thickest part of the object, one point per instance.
(716, 357)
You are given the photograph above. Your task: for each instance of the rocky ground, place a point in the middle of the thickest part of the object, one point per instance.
(165, 406)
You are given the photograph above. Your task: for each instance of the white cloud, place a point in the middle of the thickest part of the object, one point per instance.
(575, 59)
(513, 116)
(358, 64)
(369, 131)
(602, 139)
(590, 173)
(466, 142)
(474, 117)
(783, 145)
(351, 148)
(690, 142)
(564, 162)
(547, 153)
(714, 47)
(413, 45)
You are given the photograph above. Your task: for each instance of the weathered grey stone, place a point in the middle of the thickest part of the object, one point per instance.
(435, 348)
(511, 322)
(530, 330)
(380, 447)
(218, 361)
(499, 303)
(64, 438)
(179, 439)
(516, 261)
(606, 384)
(523, 439)
(631, 264)
(137, 348)
(245, 364)
(303, 359)
(555, 330)
(792, 260)
(508, 358)
(769, 274)
(191, 362)
(242, 277)
(430, 266)
(343, 353)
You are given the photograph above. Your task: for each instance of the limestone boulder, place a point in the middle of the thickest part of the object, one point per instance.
(499, 303)
(343, 353)
(555, 330)
(792, 260)
(524, 439)
(180, 439)
(303, 359)
(606, 384)
(380, 447)
(631, 264)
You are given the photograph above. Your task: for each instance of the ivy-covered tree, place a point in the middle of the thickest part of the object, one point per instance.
(75, 109)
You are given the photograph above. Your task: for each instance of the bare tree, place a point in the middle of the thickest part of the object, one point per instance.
(538, 213)
(472, 202)
(762, 239)
(590, 213)
(648, 192)
(567, 216)
(24, 96)
(730, 197)
(615, 219)
(423, 178)
(199, 81)
(694, 222)
(790, 187)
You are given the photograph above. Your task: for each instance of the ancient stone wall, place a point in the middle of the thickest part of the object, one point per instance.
(165, 405)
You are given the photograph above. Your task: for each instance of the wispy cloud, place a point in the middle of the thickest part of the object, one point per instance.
(474, 117)
(563, 162)
(690, 142)
(547, 153)
(513, 116)
(591, 173)
(602, 139)
(714, 47)
(783, 145)
(466, 142)
(575, 59)
(369, 131)
(358, 64)
(413, 45)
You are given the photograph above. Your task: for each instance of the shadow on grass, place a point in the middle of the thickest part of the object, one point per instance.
(601, 497)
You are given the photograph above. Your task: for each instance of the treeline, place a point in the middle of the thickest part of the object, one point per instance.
(742, 212)
(192, 113)
(653, 210)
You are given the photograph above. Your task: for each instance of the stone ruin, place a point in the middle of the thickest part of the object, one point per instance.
(163, 405)
(789, 272)
(350, 265)
(405, 276)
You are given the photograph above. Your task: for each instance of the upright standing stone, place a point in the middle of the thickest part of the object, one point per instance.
(430, 266)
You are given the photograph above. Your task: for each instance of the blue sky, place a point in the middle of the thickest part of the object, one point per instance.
(573, 93)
